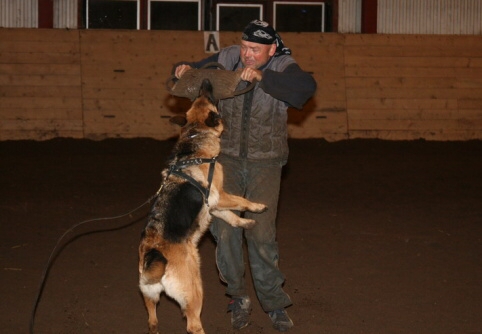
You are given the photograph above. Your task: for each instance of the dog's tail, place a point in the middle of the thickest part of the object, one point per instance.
(152, 262)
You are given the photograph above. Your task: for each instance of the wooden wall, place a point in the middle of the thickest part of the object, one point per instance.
(97, 84)
(40, 88)
(409, 87)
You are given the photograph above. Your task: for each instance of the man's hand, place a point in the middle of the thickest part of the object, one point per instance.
(250, 74)
(180, 70)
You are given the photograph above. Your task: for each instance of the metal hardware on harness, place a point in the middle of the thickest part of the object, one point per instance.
(177, 167)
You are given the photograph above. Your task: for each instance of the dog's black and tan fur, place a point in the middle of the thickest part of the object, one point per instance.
(168, 255)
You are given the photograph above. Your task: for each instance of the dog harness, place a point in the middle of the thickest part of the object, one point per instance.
(176, 169)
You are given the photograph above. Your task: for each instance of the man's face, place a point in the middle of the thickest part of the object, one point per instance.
(255, 55)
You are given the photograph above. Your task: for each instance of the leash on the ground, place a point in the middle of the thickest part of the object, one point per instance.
(54, 250)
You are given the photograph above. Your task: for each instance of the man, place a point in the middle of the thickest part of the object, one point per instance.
(254, 148)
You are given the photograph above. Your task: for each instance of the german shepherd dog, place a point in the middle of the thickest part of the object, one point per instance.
(191, 191)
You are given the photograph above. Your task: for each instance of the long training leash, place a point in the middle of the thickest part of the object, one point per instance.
(175, 169)
(54, 251)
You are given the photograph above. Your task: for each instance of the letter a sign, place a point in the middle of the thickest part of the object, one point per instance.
(211, 41)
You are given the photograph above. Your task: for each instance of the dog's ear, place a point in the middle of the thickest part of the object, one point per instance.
(212, 120)
(179, 120)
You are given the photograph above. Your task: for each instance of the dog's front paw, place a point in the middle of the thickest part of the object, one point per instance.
(258, 208)
(247, 223)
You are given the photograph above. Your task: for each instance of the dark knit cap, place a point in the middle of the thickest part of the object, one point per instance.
(261, 32)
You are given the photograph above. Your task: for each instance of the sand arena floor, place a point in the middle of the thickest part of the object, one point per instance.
(374, 237)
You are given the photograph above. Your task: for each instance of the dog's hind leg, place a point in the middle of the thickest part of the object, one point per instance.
(151, 294)
(193, 311)
(152, 264)
(151, 310)
(183, 283)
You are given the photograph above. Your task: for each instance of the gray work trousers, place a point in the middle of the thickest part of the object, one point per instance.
(258, 182)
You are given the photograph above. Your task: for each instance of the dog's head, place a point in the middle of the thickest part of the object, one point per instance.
(203, 111)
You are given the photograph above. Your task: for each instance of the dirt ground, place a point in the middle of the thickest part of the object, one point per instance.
(374, 237)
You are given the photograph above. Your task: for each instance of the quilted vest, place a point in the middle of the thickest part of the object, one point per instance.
(255, 124)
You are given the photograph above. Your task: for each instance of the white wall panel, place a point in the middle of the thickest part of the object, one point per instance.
(65, 14)
(451, 17)
(19, 13)
(349, 16)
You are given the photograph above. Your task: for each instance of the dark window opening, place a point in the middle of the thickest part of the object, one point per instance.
(293, 17)
(235, 18)
(103, 14)
(169, 15)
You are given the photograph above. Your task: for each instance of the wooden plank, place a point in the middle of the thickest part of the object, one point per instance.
(430, 114)
(476, 61)
(434, 50)
(439, 134)
(160, 135)
(39, 58)
(475, 103)
(409, 125)
(139, 84)
(469, 83)
(39, 134)
(416, 121)
(114, 125)
(403, 82)
(40, 91)
(332, 107)
(43, 103)
(39, 80)
(413, 62)
(35, 35)
(120, 105)
(110, 72)
(42, 125)
(120, 93)
(38, 47)
(330, 93)
(413, 93)
(100, 36)
(109, 128)
(110, 75)
(314, 109)
(297, 41)
(52, 69)
(473, 42)
(38, 114)
(326, 72)
(90, 51)
(413, 72)
(413, 82)
(402, 104)
(320, 124)
(299, 133)
(142, 65)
